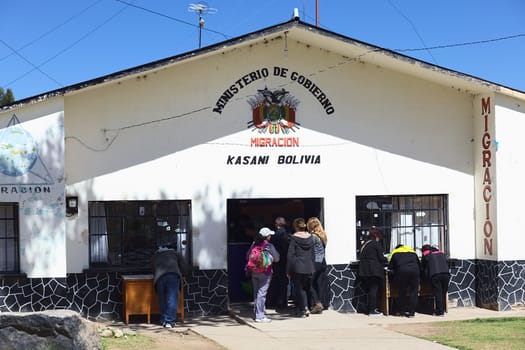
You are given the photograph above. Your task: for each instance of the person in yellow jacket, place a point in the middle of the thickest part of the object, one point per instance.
(405, 266)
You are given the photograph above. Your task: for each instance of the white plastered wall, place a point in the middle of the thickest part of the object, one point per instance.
(510, 124)
(389, 134)
(39, 192)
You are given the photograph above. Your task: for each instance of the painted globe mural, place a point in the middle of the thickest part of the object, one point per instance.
(18, 151)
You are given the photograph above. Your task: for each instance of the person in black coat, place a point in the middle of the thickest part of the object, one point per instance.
(300, 265)
(434, 266)
(371, 269)
(278, 291)
(405, 265)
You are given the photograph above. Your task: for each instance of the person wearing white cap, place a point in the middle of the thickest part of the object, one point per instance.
(260, 257)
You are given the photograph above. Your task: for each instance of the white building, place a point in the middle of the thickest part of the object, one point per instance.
(290, 121)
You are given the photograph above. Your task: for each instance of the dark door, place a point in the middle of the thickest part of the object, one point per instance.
(247, 216)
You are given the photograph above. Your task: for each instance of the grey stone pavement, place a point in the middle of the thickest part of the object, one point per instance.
(329, 330)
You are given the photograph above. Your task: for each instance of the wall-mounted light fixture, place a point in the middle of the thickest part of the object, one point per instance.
(71, 205)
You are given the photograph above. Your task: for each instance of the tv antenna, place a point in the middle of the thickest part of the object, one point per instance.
(201, 8)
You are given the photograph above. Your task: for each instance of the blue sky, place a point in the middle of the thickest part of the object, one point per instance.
(47, 45)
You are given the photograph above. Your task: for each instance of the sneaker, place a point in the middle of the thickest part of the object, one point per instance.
(409, 314)
(168, 325)
(263, 320)
(317, 309)
(375, 313)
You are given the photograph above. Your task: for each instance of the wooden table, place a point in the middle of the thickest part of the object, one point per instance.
(390, 291)
(139, 297)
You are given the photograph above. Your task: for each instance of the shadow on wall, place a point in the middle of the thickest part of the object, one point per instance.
(399, 114)
(42, 206)
(392, 112)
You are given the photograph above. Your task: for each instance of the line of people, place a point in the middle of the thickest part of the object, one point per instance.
(298, 269)
(405, 270)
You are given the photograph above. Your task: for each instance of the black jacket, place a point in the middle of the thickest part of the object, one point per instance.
(300, 257)
(372, 260)
(281, 240)
(433, 263)
(404, 262)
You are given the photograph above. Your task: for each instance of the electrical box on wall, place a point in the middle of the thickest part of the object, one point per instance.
(71, 205)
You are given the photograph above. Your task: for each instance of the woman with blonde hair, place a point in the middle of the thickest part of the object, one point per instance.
(320, 286)
(315, 227)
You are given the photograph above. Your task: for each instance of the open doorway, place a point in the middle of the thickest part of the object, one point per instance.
(245, 216)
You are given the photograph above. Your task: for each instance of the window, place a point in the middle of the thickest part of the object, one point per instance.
(9, 238)
(412, 220)
(127, 233)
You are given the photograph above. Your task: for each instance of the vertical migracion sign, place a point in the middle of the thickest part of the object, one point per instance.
(485, 179)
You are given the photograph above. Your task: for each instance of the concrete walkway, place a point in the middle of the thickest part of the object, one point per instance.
(330, 330)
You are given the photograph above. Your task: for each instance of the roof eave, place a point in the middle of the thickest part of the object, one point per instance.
(365, 52)
(148, 67)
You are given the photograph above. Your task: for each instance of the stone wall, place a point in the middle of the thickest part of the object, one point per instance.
(500, 284)
(462, 290)
(347, 294)
(98, 296)
(511, 282)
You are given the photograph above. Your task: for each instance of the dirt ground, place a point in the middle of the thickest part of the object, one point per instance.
(181, 339)
(164, 339)
(416, 330)
(184, 338)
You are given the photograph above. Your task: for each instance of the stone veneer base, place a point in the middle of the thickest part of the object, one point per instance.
(98, 296)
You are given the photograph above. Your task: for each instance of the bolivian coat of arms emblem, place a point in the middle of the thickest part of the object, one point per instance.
(273, 111)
